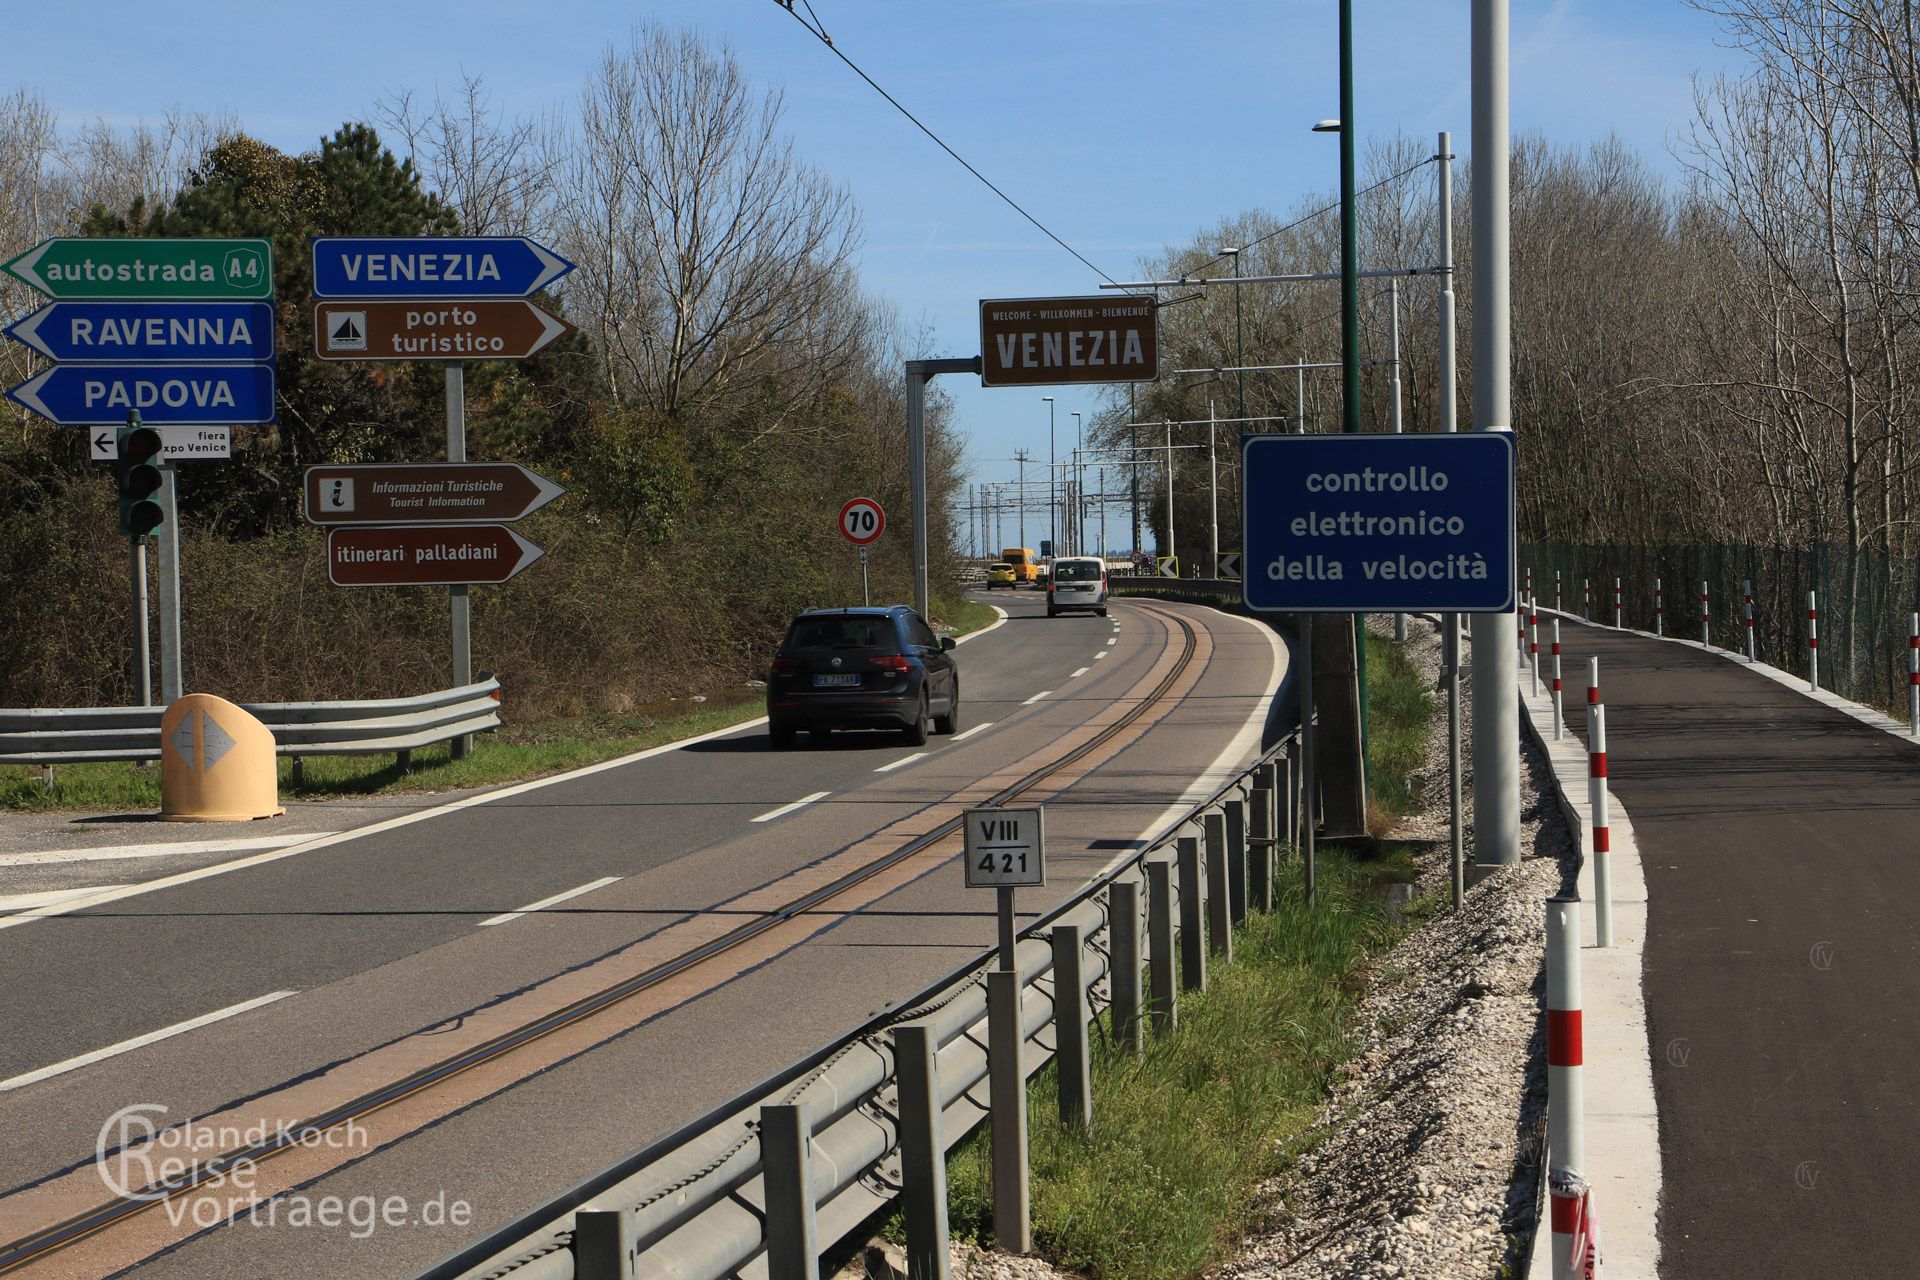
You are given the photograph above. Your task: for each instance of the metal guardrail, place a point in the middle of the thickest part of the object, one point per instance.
(695, 1205)
(72, 735)
(1175, 588)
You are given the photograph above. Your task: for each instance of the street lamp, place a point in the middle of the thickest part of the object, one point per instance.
(1053, 497)
(1239, 342)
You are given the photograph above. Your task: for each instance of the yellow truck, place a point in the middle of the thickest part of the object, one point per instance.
(1024, 563)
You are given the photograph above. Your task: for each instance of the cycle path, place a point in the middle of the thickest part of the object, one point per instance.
(1779, 842)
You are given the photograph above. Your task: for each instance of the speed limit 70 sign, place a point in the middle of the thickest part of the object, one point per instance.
(862, 521)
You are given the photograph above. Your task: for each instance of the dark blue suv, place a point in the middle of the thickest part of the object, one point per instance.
(862, 669)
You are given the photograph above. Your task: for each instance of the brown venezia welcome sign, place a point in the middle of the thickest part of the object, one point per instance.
(1041, 342)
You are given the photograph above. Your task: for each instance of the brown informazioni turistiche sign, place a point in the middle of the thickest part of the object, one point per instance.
(1045, 342)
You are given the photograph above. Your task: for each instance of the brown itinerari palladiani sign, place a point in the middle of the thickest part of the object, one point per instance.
(410, 556)
(1040, 342)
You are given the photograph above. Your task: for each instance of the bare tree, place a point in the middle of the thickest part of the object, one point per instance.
(496, 174)
(708, 252)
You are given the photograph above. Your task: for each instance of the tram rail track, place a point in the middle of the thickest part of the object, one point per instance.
(44, 1244)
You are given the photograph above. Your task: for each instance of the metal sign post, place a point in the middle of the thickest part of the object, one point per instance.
(1005, 849)
(866, 593)
(459, 605)
(172, 685)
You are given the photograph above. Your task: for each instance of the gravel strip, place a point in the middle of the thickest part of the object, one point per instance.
(1426, 1159)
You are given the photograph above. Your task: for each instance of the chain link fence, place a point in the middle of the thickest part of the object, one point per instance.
(1866, 599)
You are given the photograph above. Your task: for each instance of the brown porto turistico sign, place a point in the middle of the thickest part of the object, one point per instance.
(1046, 342)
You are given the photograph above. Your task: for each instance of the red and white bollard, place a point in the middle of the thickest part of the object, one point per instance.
(1749, 594)
(1616, 602)
(1659, 609)
(1559, 712)
(1529, 587)
(1602, 820)
(1706, 617)
(1556, 591)
(1572, 1237)
(1913, 677)
(1533, 643)
(1813, 641)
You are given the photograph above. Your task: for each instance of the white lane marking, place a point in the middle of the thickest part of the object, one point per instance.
(786, 809)
(48, 897)
(158, 849)
(1082, 671)
(1036, 697)
(139, 1042)
(115, 893)
(1099, 655)
(557, 898)
(889, 768)
(968, 733)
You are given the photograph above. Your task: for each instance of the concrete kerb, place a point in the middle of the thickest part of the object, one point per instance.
(1622, 1125)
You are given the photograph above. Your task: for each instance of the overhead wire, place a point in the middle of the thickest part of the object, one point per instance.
(1305, 218)
(819, 31)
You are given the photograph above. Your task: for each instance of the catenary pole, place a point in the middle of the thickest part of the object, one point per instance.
(1496, 747)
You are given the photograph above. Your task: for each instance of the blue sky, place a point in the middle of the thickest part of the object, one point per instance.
(1124, 125)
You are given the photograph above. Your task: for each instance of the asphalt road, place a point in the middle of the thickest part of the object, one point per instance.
(381, 952)
(1776, 835)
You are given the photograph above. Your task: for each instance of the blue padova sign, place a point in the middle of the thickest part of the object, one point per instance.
(433, 267)
(1378, 523)
(166, 395)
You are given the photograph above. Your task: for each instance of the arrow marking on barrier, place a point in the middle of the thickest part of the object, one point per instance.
(183, 740)
(214, 742)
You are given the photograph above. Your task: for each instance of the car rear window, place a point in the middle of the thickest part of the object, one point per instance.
(1076, 571)
(1000, 566)
(852, 632)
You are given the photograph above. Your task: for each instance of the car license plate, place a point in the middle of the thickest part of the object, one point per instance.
(836, 682)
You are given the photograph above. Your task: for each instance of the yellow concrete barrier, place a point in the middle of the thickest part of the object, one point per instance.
(216, 763)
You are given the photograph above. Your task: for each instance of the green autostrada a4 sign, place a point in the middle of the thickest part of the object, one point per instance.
(71, 267)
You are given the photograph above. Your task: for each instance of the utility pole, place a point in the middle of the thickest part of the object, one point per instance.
(1075, 537)
(1053, 479)
(1172, 553)
(1020, 456)
(1496, 748)
(1133, 471)
(1213, 486)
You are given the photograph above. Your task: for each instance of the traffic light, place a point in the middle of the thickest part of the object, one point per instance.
(136, 466)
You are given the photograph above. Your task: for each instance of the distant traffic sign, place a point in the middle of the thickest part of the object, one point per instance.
(1379, 523)
(862, 521)
(425, 493)
(177, 444)
(176, 395)
(408, 556)
(166, 332)
(133, 267)
(369, 330)
(1169, 566)
(1229, 566)
(1039, 342)
(433, 267)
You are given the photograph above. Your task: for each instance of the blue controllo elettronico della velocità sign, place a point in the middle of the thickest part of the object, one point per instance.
(1378, 523)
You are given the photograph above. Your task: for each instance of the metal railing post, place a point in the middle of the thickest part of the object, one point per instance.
(1072, 1070)
(1123, 978)
(1235, 812)
(793, 1247)
(1165, 993)
(923, 1153)
(1193, 935)
(1007, 1112)
(1219, 894)
(1286, 800)
(1260, 839)
(605, 1246)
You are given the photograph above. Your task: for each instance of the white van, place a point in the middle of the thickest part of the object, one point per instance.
(1078, 582)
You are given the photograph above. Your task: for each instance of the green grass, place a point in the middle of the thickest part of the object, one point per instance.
(1163, 1186)
(511, 754)
(1400, 711)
